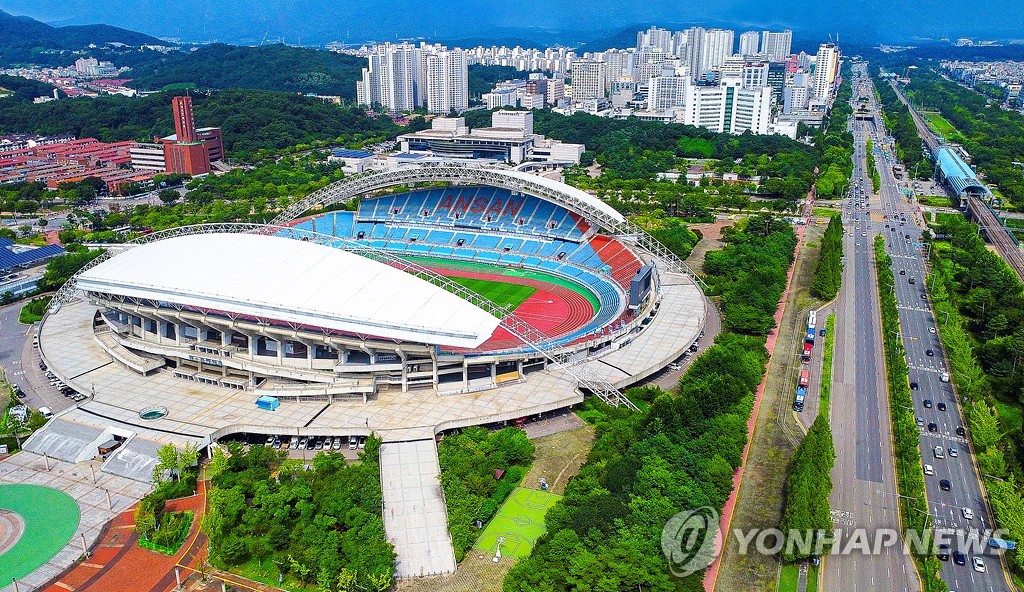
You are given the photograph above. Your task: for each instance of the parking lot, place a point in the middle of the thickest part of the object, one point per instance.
(303, 447)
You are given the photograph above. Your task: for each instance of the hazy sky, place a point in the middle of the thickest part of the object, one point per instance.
(318, 21)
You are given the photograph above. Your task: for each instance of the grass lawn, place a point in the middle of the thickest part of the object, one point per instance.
(520, 521)
(942, 217)
(500, 293)
(940, 124)
(267, 573)
(824, 212)
(789, 577)
(812, 578)
(558, 457)
(936, 201)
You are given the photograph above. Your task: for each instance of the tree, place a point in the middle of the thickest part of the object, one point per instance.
(168, 463)
(168, 196)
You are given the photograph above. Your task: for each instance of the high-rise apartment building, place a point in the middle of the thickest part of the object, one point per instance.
(403, 77)
(718, 45)
(447, 81)
(694, 44)
(654, 37)
(777, 45)
(588, 80)
(825, 69)
(749, 43)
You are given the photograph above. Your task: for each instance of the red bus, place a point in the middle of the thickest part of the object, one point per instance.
(805, 377)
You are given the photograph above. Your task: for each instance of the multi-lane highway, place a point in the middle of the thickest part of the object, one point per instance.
(863, 477)
(953, 486)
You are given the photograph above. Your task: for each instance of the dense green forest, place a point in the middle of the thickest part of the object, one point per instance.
(750, 273)
(993, 137)
(468, 463)
(23, 89)
(835, 147)
(25, 40)
(251, 120)
(268, 67)
(318, 526)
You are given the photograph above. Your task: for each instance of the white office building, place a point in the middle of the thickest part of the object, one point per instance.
(825, 69)
(749, 43)
(666, 92)
(777, 45)
(728, 107)
(588, 80)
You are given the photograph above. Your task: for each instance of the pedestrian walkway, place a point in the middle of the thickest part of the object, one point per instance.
(711, 575)
(415, 516)
(119, 563)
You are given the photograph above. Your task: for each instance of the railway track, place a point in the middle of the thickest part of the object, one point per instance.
(993, 229)
(997, 234)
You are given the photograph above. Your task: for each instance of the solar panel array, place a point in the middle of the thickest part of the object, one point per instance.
(9, 259)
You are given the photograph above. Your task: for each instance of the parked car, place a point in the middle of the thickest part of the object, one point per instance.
(353, 442)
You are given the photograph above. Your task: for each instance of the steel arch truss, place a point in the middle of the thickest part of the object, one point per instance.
(528, 334)
(346, 190)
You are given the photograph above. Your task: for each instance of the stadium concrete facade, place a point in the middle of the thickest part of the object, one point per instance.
(399, 303)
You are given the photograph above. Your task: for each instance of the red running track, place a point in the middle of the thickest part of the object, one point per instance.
(553, 310)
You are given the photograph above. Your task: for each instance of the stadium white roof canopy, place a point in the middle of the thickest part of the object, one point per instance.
(293, 281)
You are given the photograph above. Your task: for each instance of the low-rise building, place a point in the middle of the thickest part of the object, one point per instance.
(510, 139)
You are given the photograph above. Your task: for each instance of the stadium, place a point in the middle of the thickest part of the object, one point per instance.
(401, 303)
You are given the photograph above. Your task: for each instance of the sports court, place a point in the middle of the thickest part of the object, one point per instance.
(520, 521)
(46, 518)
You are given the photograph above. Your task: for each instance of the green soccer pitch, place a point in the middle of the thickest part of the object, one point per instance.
(520, 521)
(500, 293)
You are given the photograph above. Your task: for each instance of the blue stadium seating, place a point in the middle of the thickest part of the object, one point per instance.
(474, 206)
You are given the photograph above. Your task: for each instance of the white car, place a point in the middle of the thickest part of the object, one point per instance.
(978, 564)
(930, 470)
(953, 452)
(967, 513)
(931, 329)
